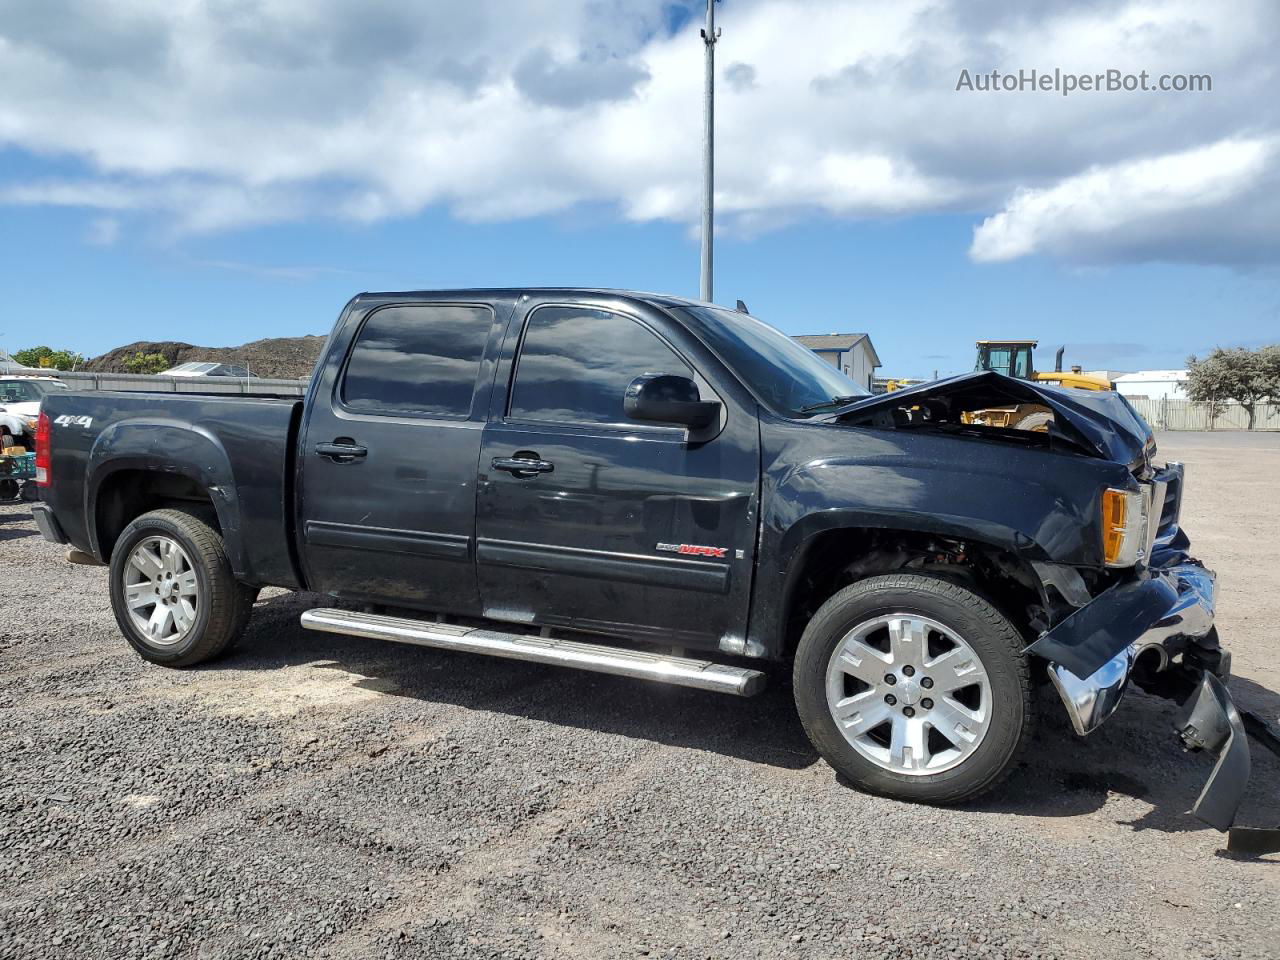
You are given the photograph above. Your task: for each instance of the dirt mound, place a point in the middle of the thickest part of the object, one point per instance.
(291, 357)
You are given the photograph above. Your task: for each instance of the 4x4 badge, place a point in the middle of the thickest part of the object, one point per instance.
(694, 550)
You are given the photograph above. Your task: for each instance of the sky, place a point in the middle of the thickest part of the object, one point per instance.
(216, 171)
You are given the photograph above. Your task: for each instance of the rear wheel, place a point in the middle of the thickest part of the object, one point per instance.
(174, 595)
(914, 687)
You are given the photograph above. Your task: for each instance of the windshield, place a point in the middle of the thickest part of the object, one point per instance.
(27, 391)
(787, 376)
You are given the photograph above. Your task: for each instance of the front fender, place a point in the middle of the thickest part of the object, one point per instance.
(1030, 516)
(13, 423)
(1036, 504)
(167, 446)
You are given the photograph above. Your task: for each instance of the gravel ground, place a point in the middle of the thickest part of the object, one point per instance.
(317, 796)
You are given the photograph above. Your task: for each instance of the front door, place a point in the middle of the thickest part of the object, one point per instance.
(586, 519)
(389, 456)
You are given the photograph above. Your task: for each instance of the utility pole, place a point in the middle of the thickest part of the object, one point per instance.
(709, 37)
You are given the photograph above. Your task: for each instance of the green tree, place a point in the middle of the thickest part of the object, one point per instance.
(146, 363)
(49, 358)
(1238, 373)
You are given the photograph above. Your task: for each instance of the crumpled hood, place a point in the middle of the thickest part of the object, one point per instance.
(1102, 420)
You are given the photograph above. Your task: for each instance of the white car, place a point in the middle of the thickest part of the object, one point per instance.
(20, 398)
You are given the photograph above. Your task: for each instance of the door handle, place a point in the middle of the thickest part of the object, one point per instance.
(522, 467)
(342, 450)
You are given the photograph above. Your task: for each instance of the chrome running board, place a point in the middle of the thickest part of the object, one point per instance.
(600, 658)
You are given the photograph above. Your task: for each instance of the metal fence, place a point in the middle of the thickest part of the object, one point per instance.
(83, 380)
(1170, 414)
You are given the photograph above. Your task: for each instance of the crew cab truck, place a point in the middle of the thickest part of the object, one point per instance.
(661, 488)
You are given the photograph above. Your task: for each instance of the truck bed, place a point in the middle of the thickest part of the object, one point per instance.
(241, 448)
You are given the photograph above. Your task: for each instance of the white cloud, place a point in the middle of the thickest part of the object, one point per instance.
(211, 115)
(1096, 215)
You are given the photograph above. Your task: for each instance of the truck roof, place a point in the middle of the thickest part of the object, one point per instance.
(664, 299)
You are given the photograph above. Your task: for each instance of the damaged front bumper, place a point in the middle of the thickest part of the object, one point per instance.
(1157, 630)
(1091, 675)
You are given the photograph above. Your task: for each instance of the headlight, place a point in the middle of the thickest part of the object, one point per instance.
(31, 424)
(1124, 527)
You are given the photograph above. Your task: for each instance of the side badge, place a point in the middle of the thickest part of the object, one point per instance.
(693, 550)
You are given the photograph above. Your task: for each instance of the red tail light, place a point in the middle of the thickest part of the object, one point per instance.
(43, 476)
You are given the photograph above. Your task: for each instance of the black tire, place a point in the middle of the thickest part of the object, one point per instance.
(1035, 422)
(249, 598)
(987, 631)
(223, 607)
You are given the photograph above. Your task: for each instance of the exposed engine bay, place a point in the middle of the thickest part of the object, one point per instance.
(1096, 423)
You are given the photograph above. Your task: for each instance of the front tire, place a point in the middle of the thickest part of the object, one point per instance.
(914, 687)
(173, 592)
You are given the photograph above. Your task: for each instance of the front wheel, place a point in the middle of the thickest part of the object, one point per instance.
(173, 592)
(914, 687)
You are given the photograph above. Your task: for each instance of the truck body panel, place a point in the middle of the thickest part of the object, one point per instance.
(655, 470)
(237, 449)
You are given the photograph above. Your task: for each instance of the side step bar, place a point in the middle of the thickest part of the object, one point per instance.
(600, 658)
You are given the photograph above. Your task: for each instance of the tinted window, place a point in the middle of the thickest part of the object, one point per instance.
(575, 365)
(419, 360)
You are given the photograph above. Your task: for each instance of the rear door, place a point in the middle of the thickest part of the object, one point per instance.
(589, 520)
(388, 457)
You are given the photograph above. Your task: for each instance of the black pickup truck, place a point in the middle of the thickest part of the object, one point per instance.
(656, 487)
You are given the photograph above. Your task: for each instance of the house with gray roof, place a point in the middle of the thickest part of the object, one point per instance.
(851, 352)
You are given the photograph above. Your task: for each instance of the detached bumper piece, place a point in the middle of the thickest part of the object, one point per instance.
(1210, 721)
(1162, 628)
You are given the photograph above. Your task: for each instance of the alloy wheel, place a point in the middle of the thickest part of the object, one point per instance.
(161, 591)
(909, 694)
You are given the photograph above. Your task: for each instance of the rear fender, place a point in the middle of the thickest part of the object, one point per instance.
(167, 446)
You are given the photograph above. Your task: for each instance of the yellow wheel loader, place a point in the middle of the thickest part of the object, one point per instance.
(1013, 358)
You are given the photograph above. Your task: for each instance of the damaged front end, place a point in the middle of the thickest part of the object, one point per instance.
(1157, 630)
(1098, 423)
(1144, 615)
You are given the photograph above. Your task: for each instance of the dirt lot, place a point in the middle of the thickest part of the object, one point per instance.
(316, 796)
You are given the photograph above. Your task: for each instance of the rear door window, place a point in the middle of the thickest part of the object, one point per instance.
(417, 360)
(576, 363)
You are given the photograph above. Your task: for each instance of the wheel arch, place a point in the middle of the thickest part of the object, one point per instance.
(831, 556)
(137, 466)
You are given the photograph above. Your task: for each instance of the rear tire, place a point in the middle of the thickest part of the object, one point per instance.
(173, 593)
(951, 723)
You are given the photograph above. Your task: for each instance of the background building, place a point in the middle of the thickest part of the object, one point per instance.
(1153, 384)
(851, 352)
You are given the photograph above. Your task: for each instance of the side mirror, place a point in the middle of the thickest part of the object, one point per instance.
(667, 398)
